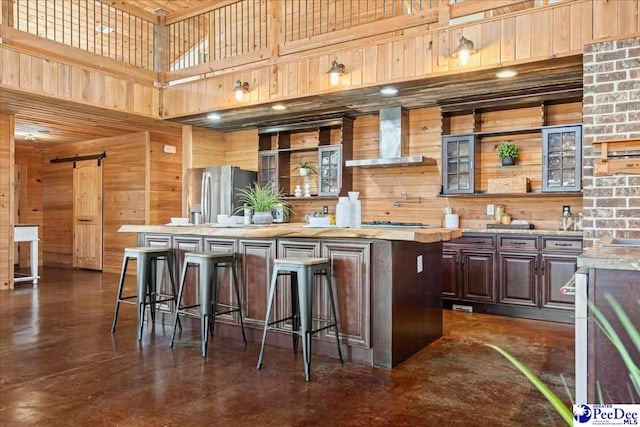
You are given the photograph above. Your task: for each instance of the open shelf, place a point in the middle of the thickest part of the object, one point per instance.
(517, 195)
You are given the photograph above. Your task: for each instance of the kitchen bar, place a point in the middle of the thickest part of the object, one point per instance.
(388, 280)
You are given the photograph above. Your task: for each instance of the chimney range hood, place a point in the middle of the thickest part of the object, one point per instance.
(393, 141)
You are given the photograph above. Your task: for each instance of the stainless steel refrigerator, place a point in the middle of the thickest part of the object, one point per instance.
(214, 190)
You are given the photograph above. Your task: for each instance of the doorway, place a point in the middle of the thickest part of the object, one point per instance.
(87, 214)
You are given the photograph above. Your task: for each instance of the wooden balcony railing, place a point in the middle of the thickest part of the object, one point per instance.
(90, 25)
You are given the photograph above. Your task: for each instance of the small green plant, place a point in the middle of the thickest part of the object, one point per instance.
(262, 198)
(310, 167)
(508, 149)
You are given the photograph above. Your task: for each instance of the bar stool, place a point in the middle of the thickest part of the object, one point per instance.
(209, 290)
(146, 272)
(302, 272)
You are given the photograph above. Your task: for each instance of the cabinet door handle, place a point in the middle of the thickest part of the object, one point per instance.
(480, 242)
(517, 243)
(562, 244)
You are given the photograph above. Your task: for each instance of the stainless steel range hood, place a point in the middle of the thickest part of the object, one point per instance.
(394, 141)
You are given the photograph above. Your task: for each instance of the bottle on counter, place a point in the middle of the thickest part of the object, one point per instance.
(356, 209)
(247, 214)
(343, 212)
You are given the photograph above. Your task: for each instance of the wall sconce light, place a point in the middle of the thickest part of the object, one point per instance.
(335, 72)
(464, 50)
(29, 137)
(239, 89)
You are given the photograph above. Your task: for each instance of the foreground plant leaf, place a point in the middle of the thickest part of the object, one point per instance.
(559, 406)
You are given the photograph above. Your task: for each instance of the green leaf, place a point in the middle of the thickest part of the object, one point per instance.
(551, 397)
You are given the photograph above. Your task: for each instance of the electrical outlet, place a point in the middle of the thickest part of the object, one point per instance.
(491, 209)
(419, 264)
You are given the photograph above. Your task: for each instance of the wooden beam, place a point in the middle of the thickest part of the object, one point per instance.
(469, 7)
(7, 199)
(6, 12)
(203, 7)
(128, 6)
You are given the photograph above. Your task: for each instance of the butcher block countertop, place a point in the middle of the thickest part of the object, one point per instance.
(422, 235)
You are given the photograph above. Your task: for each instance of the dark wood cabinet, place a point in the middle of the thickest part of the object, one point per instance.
(256, 265)
(450, 274)
(518, 280)
(351, 266)
(528, 275)
(458, 164)
(562, 158)
(477, 275)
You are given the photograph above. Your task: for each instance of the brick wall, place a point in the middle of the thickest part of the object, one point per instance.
(611, 110)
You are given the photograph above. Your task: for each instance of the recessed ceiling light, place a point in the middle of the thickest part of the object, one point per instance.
(279, 107)
(104, 29)
(389, 91)
(505, 74)
(214, 116)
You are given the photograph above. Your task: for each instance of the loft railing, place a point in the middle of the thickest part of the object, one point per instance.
(90, 25)
(303, 19)
(231, 30)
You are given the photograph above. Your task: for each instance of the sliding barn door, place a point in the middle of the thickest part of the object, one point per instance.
(87, 215)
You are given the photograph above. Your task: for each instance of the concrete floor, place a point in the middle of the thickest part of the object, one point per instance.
(61, 366)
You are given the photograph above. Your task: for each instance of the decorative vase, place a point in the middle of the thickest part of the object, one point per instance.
(298, 192)
(262, 218)
(508, 161)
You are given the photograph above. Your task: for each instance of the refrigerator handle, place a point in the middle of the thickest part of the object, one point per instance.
(204, 198)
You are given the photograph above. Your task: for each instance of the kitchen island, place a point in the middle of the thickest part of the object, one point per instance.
(388, 281)
(611, 267)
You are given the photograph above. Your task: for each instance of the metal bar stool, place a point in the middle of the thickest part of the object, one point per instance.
(302, 272)
(209, 291)
(146, 272)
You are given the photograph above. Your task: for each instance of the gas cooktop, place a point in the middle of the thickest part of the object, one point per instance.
(395, 224)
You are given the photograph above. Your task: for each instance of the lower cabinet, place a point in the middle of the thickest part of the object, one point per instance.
(529, 272)
(256, 264)
(518, 279)
(477, 269)
(351, 268)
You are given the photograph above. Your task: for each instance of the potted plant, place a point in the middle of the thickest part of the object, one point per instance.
(508, 152)
(306, 168)
(262, 199)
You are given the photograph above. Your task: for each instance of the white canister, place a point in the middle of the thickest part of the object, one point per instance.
(451, 221)
(356, 209)
(343, 212)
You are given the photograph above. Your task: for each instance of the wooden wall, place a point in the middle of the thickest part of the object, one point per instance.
(29, 164)
(142, 184)
(37, 73)
(208, 148)
(380, 187)
(241, 149)
(502, 41)
(7, 150)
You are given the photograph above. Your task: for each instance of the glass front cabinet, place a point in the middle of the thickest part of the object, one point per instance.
(329, 170)
(561, 158)
(458, 154)
(268, 167)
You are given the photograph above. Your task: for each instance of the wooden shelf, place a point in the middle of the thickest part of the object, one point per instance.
(313, 197)
(517, 195)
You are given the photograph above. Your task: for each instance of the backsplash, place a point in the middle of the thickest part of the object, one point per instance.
(611, 204)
